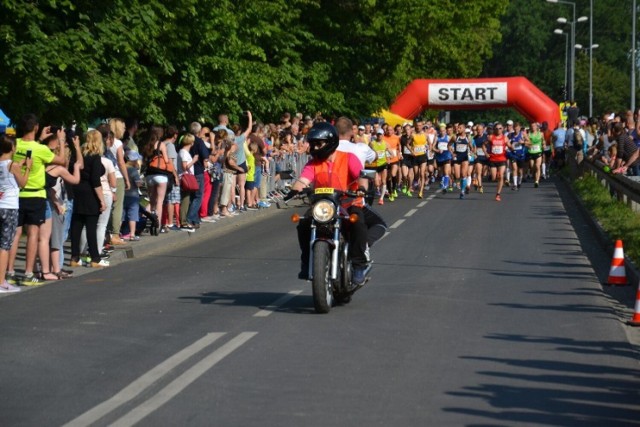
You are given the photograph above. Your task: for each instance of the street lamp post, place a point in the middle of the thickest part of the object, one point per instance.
(590, 49)
(573, 39)
(566, 59)
(633, 57)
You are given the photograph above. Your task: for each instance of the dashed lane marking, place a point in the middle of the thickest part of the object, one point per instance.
(397, 224)
(423, 204)
(411, 212)
(277, 304)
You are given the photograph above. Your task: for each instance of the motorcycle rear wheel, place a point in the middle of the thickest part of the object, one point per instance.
(321, 285)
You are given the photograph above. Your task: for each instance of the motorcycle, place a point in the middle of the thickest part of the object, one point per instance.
(330, 267)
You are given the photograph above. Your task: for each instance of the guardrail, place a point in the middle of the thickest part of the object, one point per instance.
(621, 187)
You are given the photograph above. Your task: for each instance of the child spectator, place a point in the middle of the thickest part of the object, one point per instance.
(13, 176)
(131, 206)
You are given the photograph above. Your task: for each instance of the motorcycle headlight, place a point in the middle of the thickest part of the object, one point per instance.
(323, 211)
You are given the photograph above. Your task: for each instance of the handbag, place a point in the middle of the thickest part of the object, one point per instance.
(189, 183)
(157, 165)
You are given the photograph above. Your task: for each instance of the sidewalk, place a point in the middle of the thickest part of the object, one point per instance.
(148, 245)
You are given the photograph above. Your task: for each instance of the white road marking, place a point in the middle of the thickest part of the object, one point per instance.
(397, 224)
(182, 382)
(277, 304)
(411, 212)
(145, 381)
(423, 204)
(385, 235)
(433, 196)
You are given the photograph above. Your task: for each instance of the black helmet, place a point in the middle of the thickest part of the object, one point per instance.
(322, 132)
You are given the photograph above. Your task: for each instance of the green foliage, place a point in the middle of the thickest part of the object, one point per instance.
(179, 60)
(531, 49)
(615, 217)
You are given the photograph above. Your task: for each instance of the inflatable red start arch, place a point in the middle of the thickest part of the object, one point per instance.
(468, 94)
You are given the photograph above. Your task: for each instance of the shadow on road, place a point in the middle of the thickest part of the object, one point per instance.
(552, 392)
(300, 304)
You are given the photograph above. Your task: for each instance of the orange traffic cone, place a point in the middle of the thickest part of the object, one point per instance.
(635, 320)
(617, 274)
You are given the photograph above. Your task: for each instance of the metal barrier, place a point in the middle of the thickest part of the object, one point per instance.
(287, 167)
(623, 188)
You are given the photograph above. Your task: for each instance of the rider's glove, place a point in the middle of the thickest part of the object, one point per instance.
(290, 195)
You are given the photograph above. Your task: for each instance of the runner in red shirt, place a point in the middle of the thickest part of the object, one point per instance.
(496, 147)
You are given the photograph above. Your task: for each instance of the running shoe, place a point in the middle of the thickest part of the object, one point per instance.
(498, 198)
(461, 196)
(395, 194)
(174, 228)
(103, 263)
(31, 279)
(381, 201)
(264, 205)
(420, 195)
(391, 198)
(7, 287)
(450, 189)
(252, 208)
(444, 191)
(536, 185)
(77, 263)
(514, 188)
(466, 190)
(208, 219)
(481, 189)
(134, 238)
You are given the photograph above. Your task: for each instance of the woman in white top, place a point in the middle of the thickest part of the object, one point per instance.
(13, 176)
(122, 179)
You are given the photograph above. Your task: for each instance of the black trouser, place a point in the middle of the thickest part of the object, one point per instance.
(369, 228)
(79, 221)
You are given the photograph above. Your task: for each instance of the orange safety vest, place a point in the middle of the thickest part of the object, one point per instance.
(336, 175)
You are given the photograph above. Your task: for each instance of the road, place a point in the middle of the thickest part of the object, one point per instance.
(478, 313)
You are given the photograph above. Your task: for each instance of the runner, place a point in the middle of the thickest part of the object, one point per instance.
(482, 161)
(419, 148)
(461, 162)
(497, 146)
(432, 135)
(517, 156)
(443, 157)
(380, 147)
(407, 159)
(392, 140)
(534, 142)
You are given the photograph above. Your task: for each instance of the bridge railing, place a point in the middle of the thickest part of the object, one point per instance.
(623, 188)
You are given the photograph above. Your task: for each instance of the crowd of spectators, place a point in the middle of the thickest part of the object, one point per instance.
(105, 187)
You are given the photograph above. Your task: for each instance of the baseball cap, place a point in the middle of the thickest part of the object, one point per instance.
(361, 127)
(470, 124)
(443, 125)
(380, 132)
(509, 122)
(467, 130)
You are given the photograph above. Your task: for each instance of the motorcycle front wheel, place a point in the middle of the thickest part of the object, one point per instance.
(321, 284)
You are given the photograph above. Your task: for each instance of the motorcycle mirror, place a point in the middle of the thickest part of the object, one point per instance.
(368, 173)
(295, 218)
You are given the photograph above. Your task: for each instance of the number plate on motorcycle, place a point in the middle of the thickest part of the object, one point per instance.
(323, 191)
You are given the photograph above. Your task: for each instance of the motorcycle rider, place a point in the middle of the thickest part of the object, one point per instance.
(341, 171)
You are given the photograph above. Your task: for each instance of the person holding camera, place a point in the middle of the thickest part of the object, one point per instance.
(33, 196)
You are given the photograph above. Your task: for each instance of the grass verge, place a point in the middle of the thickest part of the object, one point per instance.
(615, 217)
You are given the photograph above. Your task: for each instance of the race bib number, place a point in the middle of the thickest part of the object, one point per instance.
(497, 149)
(420, 149)
(480, 152)
(323, 191)
(392, 153)
(382, 154)
(461, 148)
(443, 146)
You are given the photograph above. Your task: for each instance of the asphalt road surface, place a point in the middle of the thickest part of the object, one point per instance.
(479, 313)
